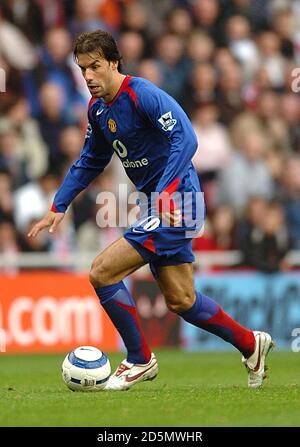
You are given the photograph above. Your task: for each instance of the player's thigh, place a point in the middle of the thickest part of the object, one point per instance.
(176, 283)
(114, 263)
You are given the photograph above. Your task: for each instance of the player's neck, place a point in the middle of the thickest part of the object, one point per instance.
(116, 85)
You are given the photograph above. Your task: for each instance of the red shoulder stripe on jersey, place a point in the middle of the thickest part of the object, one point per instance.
(91, 102)
(149, 243)
(132, 93)
(124, 88)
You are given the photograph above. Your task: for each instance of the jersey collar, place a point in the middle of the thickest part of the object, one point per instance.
(123, 87)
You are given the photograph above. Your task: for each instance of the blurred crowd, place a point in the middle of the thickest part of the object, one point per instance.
(231, 64)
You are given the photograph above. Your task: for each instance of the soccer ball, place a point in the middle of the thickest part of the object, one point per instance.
(86, 369)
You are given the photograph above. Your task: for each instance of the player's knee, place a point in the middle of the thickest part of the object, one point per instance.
(99, 275)
(180, 303)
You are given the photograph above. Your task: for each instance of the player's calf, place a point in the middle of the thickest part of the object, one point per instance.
(179, 303)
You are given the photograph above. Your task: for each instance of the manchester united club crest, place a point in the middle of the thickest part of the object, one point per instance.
(112, 125)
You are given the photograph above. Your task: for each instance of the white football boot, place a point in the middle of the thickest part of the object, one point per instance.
(128, 374)
(256, 363)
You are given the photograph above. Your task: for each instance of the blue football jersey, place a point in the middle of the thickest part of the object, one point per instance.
(149, 132)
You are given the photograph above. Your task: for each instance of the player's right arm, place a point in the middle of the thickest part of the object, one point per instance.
(95, 155)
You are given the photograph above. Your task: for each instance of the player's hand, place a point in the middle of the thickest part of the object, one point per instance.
(50, 220)
(172, 218)
(167, 210)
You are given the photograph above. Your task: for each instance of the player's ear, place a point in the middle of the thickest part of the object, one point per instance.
(114, 65)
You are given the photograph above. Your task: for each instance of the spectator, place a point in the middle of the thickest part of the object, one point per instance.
(270, 57)
(111, 13)
(238, 35)
(214, 149)
(6, 197)
(265, 247)
(200, 47)
(12, 157)
(284, 24)
(219, 232)
(8, 238)
(54, 12)
(86, 18)
(246, 175)
(265, 119)
(26, 16)
(54, 67)
(256, 11)
(205, 241)
(290, 197)
(256, 87)
(179, 22)
(174, 66)
(15, 48)
(136, 17)
(206, 14)
(132, 50)
(224, 228)
(268, 112)
(39, 194)
(214, 145)
(150, 69)
(52, 119)
(33, 147)
(71, 141)
(201, 87)
(223, 60)
(249, 224)
(229, 96)
(290, 113)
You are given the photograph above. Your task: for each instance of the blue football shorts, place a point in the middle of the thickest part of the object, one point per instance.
(160, 246)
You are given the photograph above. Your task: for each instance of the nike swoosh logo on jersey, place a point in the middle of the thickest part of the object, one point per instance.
(99, 112)
(136, 376)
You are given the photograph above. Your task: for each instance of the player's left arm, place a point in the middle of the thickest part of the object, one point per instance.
(169, 118)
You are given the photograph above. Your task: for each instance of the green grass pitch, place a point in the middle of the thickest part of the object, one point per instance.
(192, 389)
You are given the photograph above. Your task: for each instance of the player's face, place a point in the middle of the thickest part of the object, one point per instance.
(98, 73)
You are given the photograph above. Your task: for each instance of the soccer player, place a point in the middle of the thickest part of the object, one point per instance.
(155, 142)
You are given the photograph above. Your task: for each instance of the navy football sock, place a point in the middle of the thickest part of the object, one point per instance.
(121, 309)
(207, 314)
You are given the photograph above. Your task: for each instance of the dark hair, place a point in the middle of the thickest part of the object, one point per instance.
(100, 41)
